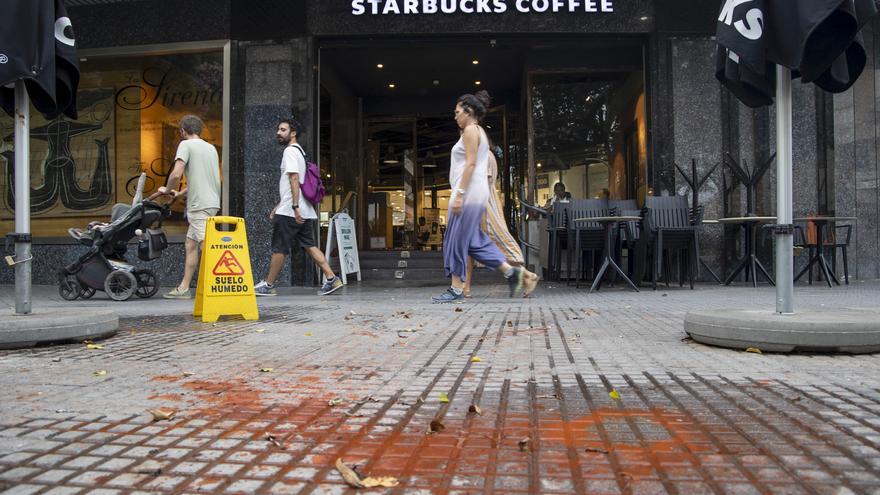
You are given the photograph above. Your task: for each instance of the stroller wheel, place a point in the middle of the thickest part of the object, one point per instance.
(69, 289)
(86, 293)
(120, 285)
(147, 283)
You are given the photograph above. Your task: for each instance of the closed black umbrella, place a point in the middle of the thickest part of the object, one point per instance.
(37, 45)
(762, 45)
(818, 40)
(38, 65)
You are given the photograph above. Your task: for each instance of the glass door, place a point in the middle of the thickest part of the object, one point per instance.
(391, 171)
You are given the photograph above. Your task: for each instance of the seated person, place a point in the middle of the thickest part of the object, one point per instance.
(89, 233)
(97, 226)
(560, 195)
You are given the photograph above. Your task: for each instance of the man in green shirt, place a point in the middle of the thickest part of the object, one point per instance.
(198, 161)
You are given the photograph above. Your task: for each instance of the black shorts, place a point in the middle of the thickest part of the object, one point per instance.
(285, 230)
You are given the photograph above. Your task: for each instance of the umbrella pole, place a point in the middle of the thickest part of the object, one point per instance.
(22, 200)
(784, 235)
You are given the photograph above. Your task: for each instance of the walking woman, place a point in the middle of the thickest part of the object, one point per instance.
(470, 193)
(496, 227)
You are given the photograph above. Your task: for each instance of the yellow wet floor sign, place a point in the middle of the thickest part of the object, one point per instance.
(226, 285)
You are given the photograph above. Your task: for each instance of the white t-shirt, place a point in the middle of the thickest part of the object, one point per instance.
(293, 162)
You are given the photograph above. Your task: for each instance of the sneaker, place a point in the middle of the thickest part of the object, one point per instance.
(447, 297)
(515, 281)
(264, 289)
(331, 286)
(178, 294)
(530, 284)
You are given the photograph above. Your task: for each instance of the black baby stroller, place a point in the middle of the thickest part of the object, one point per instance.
(103, 266)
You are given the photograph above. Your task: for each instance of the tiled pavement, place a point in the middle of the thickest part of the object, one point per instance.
(361, 377)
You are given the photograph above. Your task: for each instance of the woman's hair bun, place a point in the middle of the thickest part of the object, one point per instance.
(484, 98)
(477, 105)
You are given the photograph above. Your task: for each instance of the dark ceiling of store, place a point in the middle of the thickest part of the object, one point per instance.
(424, 69)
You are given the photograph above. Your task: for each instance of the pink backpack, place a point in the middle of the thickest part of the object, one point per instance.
(312, 188)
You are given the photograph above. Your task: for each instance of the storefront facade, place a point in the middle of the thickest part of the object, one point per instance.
(374, 82)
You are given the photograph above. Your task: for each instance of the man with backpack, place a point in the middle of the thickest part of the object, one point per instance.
(294, 218)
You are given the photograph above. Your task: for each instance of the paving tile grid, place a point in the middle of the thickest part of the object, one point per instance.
(268, 406)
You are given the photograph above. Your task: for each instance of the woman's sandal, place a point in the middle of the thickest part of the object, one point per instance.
(530, 284)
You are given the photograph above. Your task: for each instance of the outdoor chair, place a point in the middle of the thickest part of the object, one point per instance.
(587, 237)
(837, 239)
(670, 226)
(558, 231)
(628, 238)
(621, 205)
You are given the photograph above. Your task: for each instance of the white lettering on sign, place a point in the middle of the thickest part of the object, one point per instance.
(752, 27)
(409, 7)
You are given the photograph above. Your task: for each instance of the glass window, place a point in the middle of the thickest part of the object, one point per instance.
(581, 122)
(129, 107)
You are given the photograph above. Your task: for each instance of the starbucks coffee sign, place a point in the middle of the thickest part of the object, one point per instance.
(410, 7)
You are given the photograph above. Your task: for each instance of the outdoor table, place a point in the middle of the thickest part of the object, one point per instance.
(821, 222)
(608, 223)
(750, 261)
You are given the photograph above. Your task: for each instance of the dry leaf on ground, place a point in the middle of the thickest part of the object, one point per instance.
(335, 401)
(383, 481)
(754, 350)
(100, 372)
(444, 397)
(260, 330)
(476, 359)
(614, 395)
(436, 426)
(266, 370)
(475, 409)
(596, 450)
(308, 334)
(93, 347)
(352, 478)
(274, 440)
(459, 310)
(348, 474)
(162, 414)
(524, 444)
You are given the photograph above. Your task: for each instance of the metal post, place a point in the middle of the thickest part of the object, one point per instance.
(22, 199)
(784, 237)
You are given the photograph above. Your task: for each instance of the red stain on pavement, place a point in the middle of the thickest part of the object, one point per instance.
(165, 378)
(167, 397)
(225, 394)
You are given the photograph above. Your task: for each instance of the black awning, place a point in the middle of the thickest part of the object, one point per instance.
(818, 40)
(37, 44)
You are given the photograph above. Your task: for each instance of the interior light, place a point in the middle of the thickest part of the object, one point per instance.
(539, 165)
(328, 176)
(643, 18)
(475, 62)
(390, 157)
(436, 82)
(392, 85)
(477, 83)
(380, 66)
